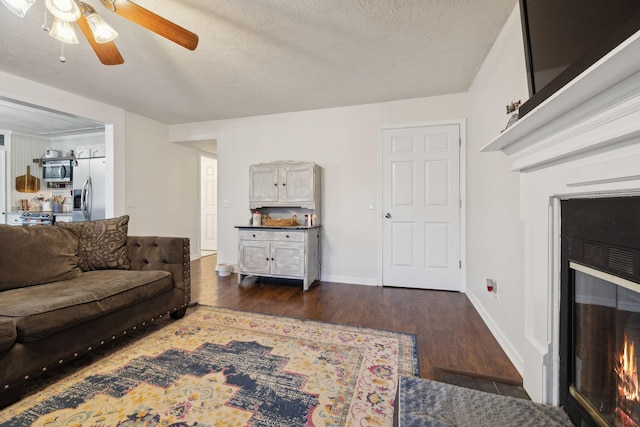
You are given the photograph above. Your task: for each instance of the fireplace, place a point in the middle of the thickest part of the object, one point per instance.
(600, 311)
(581, 143)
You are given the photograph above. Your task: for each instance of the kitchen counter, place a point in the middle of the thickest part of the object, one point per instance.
(55, 213)
(13, 217)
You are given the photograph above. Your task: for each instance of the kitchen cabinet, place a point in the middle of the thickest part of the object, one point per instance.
(288, 252)
(290, 184)
(13, 218)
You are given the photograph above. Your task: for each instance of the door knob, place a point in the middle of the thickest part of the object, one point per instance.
(387, 215)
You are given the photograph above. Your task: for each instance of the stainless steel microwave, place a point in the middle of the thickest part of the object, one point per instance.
(57, 171)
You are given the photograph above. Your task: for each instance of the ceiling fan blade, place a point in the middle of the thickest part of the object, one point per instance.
(108, 53)
(153, 22)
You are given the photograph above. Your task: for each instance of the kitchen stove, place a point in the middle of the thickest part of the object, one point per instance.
(37, 218)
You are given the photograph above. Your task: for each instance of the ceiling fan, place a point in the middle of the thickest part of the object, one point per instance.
(99, 34)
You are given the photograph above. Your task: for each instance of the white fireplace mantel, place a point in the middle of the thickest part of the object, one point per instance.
(584, 141)
(599, 108)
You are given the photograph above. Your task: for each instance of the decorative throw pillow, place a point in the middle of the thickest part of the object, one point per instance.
(35, 255)
(102, 243)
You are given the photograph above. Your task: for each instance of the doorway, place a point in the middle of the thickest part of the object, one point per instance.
(208, 205)
(421, 199)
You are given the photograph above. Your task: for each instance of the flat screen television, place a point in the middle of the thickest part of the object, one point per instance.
(563, 38)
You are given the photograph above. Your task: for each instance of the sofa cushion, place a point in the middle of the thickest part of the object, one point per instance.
(102, 243)
(7, 333)
(35, 255)
(40, 311)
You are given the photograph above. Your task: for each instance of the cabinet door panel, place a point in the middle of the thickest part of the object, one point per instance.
(254, 257)
(296, 183)
(264, 184)
(288, 260)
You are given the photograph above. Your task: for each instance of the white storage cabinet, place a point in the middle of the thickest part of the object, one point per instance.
(291, 253)
(289, 184)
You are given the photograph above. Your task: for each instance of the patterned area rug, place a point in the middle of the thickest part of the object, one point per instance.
(229, 368)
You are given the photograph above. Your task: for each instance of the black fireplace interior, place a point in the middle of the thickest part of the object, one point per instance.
(600, 310)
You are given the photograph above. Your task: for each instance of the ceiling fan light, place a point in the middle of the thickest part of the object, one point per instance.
(102, 32)
(63, 31)
(67, 10)
(19, 7)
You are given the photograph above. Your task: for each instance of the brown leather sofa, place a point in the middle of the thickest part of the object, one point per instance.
(65, 290)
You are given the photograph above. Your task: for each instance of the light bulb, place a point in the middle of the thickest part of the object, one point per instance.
(63, 31)
(102, 32)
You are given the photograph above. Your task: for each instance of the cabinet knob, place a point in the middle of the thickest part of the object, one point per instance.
(287, 236)
(284, 183)
(275, 183)
(254, 235)
(272, 259)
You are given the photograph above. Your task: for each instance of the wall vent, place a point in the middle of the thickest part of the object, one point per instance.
(621, 260)
(593, 253)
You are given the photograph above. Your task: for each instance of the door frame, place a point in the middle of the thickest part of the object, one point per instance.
(462, 124)
(7, 188)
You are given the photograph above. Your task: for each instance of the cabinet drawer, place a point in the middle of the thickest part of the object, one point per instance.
(276, 236)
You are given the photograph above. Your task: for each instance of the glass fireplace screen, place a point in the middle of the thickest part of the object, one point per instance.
(606, 333)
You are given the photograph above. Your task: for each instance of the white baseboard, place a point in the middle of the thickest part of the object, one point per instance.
(495, 330)
(349, 280)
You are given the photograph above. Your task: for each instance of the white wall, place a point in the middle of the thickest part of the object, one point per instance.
(344, 142)
(495, 244)
(162, 183)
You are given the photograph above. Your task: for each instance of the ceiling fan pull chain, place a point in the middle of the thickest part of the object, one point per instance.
(62, 58)
(45, 26)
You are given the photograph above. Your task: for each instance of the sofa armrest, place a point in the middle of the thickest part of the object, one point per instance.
(163, 253)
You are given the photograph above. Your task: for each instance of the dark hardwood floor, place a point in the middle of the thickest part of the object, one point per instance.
(451, 336)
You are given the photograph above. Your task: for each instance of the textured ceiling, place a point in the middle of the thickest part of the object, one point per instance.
(266, 56)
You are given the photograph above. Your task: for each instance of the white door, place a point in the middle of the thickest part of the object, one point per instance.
(208, 203)
(421, 207)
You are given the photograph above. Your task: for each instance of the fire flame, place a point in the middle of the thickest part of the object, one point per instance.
(628, 372)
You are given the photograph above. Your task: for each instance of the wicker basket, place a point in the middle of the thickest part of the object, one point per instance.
(283, 222)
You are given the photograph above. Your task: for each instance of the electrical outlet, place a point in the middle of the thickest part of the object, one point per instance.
(492, 286)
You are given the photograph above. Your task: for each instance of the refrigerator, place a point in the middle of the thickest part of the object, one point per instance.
(89, 189)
